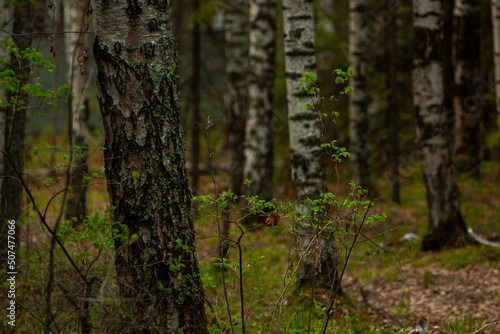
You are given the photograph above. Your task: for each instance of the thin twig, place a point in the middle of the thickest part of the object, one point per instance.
(487, 325)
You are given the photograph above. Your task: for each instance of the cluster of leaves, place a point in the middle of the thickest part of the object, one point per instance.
(341, 219)
(12, 84)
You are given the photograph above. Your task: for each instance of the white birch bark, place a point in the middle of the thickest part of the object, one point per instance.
(259, 134)
(446, 226)
(358, 105)
(307, 160)
(495, 19)
(78, 75)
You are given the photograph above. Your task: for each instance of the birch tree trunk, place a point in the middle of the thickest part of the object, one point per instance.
(432, 106)
(77, 46)
(358, 100)
(259, 134)
(466, 106)
(307, 160)
(495, 20)
(236, 97)
(158, 274)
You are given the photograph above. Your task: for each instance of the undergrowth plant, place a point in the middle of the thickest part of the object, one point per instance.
(66, 276)
(337, 219)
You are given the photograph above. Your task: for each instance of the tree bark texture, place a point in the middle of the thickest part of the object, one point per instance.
(495, 19)
(259, 133)
(467, 57)
(236, 96)
(358, 100)
(434, 125)
(77, 46)
(157, 268)
(307, 159)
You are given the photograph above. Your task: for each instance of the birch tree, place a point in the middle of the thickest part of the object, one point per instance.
(495, 19)
(259, 134)
(77, 46)
(307, 159)
(433, 106)
(157, 268)
(467, 113)
(358, 100)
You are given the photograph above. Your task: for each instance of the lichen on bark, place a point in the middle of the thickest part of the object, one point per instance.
(145, 168)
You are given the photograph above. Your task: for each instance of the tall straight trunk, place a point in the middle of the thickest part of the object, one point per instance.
(157, 270)
(236, 96)
(235, 100)
(307, 159)
(495, 20)
(358, 100)
(433, 108)
(392, 28)
(259, 133)
(77, 46)
(15, 120)
(467, 112)
(195, 90)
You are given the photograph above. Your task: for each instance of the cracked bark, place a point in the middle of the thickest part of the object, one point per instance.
(136, 60)
(433, 108)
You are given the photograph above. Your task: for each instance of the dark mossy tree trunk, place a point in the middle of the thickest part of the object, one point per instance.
(259, 132)
(432, 72)
(466, 105)
(157, 268)
(79, 71)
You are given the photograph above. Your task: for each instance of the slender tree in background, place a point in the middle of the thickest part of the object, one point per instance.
(259, 133)
(235, 99)
(358, 100)
(5, 25)
(77, 46)
(432, 72)
(157, 270)
(392, 29)
(15, 121)
(467, 113)
(307, 159)
(236, 95)
(495, 19)
(195, 100)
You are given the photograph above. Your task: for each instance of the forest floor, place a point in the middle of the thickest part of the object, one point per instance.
(389, 284)
(434, 297)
